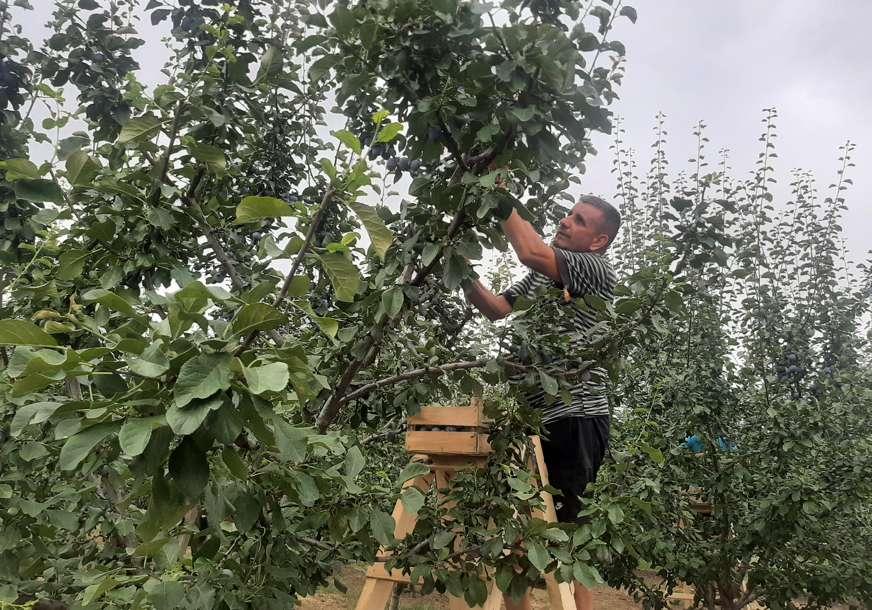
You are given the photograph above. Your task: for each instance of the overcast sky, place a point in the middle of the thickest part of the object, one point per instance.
(722, 62)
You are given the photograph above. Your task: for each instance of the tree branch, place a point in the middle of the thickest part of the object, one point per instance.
(307, 243)
(165, 159)
(286, 285)
(333, 405)
(412, 374)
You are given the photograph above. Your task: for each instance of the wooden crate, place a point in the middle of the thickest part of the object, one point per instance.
(460, 431)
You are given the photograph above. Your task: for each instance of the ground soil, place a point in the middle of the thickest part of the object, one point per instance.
(353, 577)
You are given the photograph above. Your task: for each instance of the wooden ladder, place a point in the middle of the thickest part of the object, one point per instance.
(450, 439)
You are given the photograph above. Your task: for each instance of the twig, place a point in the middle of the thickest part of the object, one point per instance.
(452, 339)
(307, 243)
(390, 434)
(412, 374)
(165, 159)
(283, 293)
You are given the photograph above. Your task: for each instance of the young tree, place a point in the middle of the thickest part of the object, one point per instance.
(767, 364)
(191, 323)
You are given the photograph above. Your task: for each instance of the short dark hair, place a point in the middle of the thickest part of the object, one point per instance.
(611, 215)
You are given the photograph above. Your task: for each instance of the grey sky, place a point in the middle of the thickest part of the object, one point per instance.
(722, 62)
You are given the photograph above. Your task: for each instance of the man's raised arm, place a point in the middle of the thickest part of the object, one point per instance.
(493, 306)
(531, 249)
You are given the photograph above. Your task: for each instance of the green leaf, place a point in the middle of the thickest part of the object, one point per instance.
(431, 251)
(80, 445)
(81, 168)
(256, 316)
(94, 592)
(354, 462)
(381, 115)
(34, 413)
(23, 332)
(586, 574)
(382, 525)
(412, 470)
(392, 301)
(211, 156)
(39, 190)
(300, 286)
(442, 539)
(109, 299)
(188, 419)
(524, 114)
(151, 363)
(291, 440)
(138, 129)
(380, 236)
(270, 64)
(189, 467)
(135, 434)
(343, 20)
(673, 301)
(538, 556)
(343, 274)
(328, 326)
(165, 594)
(549, 384)
(616, 514)
(629, 12)
(225, 424)
(306, 488)
(234, 463)
(271, 377)
(626, 307)
(248, 509)
(349, 139)
(71, 264)
(253, 209)
(201, 377)
(412, 499)
(389, 132)
(16, 169)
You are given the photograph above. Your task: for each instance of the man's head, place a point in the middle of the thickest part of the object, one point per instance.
(590, 226)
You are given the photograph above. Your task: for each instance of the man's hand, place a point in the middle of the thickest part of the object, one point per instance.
(493, 306)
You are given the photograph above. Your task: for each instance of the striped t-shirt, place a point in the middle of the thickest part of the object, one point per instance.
(582, 273)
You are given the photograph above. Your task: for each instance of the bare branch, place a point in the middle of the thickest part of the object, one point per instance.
(413, 374)
(310, 234)
(286, 285)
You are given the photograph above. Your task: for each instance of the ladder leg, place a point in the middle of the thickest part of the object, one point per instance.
(457, 603)
(375, 594)
(559, 593)
(494, 598)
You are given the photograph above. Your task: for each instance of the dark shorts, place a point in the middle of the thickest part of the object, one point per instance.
(574, 450)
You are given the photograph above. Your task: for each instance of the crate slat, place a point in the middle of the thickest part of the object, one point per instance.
(459, 417)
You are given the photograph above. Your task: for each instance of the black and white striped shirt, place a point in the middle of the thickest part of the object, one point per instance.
(582, 273)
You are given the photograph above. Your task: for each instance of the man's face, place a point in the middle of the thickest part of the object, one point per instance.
(582, 230)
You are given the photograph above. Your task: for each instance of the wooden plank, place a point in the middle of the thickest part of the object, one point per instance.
(378, 571)
(494, 598)
(447, 416)
(375, 594)
(550, 513)
(559, 593)
(456, 443)
(457, 603)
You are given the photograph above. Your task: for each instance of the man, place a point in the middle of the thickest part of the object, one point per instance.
(576, 434)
